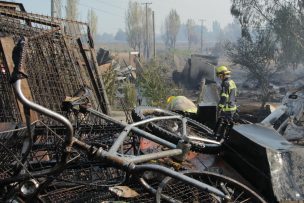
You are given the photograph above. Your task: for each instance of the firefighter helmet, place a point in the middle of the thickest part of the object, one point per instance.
(222, 70)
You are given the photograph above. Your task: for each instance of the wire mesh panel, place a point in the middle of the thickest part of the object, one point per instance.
(101, 132)
(55, 65)
(12, 152)
(99, 193)
(52, 75)
(9, 111)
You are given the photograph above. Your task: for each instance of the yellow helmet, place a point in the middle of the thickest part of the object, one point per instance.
(222, 70)
(169, 100)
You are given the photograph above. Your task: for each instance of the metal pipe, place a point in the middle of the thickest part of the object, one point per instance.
(142, 133)
(130, 127)
(154, 191)
(204, 140)
(120, 139)
(157, 155)
(154, 138)
(49, 113)
(179, 176)
(185, 137)
(155, 119)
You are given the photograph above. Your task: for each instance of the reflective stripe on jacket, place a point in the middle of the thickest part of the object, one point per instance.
(227, 101)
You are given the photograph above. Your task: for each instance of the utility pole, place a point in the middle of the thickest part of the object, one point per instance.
(146, 48)
(202, 26)
(153, 20)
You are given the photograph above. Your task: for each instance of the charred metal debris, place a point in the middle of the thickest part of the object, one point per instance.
(58, 142)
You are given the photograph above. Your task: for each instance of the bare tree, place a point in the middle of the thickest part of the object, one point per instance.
(190, 31)
(71, 14)
(92, 21)
(171, 28)
(134, 25)
(71, 9)
(56, 8)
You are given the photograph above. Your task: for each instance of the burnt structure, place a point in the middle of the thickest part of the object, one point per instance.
(197, 67)
(60, 61)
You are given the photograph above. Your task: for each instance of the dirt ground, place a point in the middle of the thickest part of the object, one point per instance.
(119, 116)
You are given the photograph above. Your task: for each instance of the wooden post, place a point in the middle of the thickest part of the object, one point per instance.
(7, 46)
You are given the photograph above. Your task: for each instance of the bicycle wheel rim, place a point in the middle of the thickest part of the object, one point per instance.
(238, 191)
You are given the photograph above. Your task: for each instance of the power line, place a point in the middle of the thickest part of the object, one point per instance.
(100, 10)
(110, 4)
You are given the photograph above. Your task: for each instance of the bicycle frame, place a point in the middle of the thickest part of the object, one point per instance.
(111, 156)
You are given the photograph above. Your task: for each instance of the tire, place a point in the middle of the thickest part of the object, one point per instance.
(180, 192)
(165, 128)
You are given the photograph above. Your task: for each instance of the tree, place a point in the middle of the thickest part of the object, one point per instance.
(92, 21)
(56, 8)
(71, 14)
(190, 32)
(291, 51)
(129, 91)
(109, 78)
(120, 35)
(171, 28)
(256, 55)
(105, 37)
(134, 25)
(155, 84)
(232, 31)
(71, 9)
(285, 18)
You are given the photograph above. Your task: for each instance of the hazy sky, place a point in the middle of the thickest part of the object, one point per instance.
(111, 13)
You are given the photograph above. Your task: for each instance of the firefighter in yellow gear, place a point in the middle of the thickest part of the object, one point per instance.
(181, 104)
(227, 104)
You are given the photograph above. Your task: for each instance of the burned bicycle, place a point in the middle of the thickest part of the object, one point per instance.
(56, 173)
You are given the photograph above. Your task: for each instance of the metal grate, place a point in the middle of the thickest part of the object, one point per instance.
(59, 60)
(51, 73)
(11, 146)
(86, 193)
(9, 111)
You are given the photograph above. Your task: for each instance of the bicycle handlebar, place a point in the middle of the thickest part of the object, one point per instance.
(19, 53)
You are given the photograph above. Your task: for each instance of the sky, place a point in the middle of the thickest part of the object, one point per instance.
(111, 13)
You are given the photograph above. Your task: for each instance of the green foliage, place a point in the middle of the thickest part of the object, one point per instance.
(155, 85)
(256, 56)
(109, 78)
(284, 18)
(286, 25)
(130, 94)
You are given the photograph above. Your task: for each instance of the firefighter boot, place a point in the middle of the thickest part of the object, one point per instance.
(218, 130)
(229, 127)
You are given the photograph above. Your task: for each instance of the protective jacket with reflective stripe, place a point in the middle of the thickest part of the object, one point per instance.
(227, 101)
